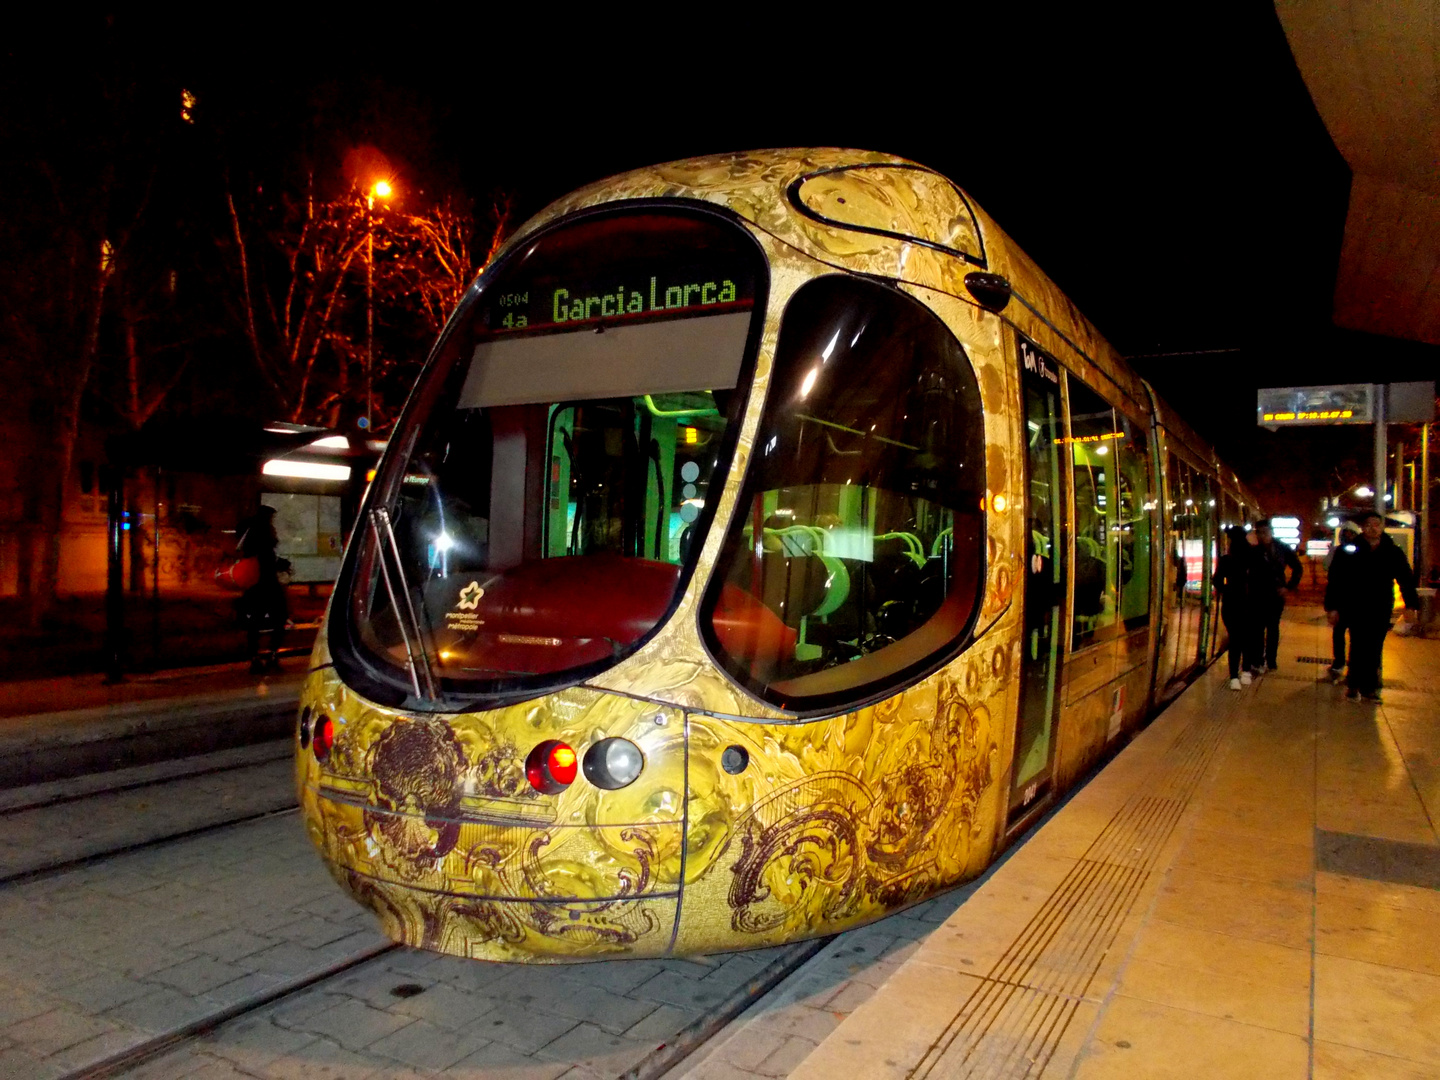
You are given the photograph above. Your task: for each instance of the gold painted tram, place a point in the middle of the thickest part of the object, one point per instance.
(765, 544)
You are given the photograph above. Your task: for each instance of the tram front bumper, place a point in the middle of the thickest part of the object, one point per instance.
(431, 822)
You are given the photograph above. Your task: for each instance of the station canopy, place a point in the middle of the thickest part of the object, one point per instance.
(214, 445)
(1371, 70)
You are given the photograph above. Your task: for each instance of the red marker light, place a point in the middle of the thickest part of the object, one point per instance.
(322, 738)
(562, 763)
(551, 767)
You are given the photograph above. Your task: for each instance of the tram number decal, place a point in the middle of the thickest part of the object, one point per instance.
(513, 320)
(1036, 362)
(1117, 712)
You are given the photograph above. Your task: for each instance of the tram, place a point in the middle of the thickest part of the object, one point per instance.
(765, 544)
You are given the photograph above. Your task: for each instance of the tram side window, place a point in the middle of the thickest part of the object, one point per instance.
(856, 551)
(1134, 524)
(1187, 559)
(1095, 440)
(1210, 486)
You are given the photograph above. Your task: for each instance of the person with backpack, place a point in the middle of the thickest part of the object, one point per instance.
(1277, 557)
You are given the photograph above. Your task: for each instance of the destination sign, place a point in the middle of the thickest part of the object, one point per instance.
(548, 305)
(1035, 361)
(1286, 406)
(622, 271)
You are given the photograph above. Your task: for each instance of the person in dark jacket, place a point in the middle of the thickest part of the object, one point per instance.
(263, 607)
(1361, 593)
(1349, 533)
(1238, 579)
(1277, 557)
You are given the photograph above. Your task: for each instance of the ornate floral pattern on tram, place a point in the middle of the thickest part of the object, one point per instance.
(432, 823)
(416, 771)
(838, 822)
(907, 200)
(754, 185)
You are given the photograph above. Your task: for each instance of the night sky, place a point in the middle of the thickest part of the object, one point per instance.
(1169, 172)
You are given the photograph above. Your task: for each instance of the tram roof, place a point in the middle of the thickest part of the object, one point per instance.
(881, 215)
(885, 216)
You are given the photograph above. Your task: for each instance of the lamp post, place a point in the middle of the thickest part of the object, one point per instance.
(381, 189)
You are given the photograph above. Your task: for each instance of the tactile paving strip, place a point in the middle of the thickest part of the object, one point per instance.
(1011, 1025)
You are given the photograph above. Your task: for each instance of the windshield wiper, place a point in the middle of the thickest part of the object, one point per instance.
(385, 538)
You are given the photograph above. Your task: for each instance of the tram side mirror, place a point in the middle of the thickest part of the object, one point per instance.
(991, 291)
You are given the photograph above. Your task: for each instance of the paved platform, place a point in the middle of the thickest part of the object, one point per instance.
(1251, 888)
(51, 729)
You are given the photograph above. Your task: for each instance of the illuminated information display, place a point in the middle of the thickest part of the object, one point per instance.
(551, 304)
(623, 271)
(1289, 406)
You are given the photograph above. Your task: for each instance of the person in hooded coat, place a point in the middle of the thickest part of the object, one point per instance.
(263, 607)
(1238, 578)
(1361, 594)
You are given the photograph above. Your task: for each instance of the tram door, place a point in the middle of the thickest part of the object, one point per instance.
(1044, 581)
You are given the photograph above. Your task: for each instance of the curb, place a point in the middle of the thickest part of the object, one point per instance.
(60, 745)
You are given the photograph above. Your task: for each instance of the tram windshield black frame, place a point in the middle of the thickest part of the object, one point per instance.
(392, 685)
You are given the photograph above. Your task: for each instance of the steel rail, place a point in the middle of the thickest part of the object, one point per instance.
(19, 877)
(127, 1059)
(665, 1057)
(210, 770)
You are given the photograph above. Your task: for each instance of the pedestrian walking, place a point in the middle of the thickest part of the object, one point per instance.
(263, 607)
(1361, 594)
(1280, 575)
(1237, 579)
(1349, 534)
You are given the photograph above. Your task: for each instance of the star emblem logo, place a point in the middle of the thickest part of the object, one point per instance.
(470, 597)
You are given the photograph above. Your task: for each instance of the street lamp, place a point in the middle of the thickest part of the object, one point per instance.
(381, 189)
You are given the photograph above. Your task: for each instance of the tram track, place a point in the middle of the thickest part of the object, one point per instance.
(51, 869)
(53, 828)
(56, 793)
(660, 1061)
(706, 1027)
(52, 805)
(130, 1057)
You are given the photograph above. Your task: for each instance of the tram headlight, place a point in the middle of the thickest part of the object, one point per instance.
(613, 763)
(551, 767)
(305, 728)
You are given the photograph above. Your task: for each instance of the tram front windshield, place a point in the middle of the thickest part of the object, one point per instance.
(549, 494)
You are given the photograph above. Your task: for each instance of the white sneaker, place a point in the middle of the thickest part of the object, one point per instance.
(1245, 679)
(1235, 684)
